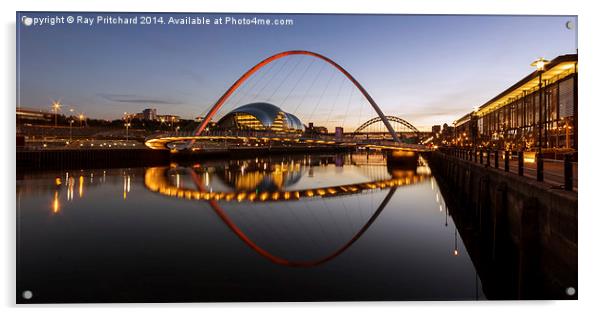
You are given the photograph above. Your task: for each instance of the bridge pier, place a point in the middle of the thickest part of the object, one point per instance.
(402, 159)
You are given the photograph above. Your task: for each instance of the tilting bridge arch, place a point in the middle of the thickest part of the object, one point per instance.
(272, 58)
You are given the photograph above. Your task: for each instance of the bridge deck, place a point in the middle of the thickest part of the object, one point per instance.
(161, 142)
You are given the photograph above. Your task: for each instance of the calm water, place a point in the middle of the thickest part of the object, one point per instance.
(319, 227)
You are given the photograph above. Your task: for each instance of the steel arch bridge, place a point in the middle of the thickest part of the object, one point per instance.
(395, 119)
(162, 141)
(272, 58)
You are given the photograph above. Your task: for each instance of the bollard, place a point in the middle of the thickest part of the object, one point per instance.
(481, 156)
(568, 172)
(496, 158)
(521, 162)
(488, 158)
(506, 161)
(539, 167)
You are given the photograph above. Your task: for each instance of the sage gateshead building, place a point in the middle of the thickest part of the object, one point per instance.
(538, 111)
(260, 116)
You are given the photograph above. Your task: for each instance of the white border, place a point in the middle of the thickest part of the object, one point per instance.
(589, 113)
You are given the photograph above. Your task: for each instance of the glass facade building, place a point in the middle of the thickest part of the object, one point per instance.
(542, 107)
(260, 116)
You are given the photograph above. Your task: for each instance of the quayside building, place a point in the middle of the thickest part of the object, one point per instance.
(540, 110)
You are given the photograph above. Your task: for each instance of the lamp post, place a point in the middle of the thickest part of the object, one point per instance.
(70, 130)
(81, 120)
(540, 64)
(127, 125)
(71, 110)
(56, 106)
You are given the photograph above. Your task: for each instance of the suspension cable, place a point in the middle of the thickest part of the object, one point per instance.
(271, 79)
(285, 79)
(310, 86)
(321, 95)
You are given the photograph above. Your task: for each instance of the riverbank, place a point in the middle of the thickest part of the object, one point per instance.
(52, 159)
(521, 234)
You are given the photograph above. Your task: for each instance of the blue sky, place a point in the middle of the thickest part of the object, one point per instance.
(426, 69)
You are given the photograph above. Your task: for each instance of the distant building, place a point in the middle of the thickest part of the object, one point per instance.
(436, 129)
(30, 115)
(465, 130)
(149, 114)
(135, 116)
(338, 132)
(168, 118)
(312, 129)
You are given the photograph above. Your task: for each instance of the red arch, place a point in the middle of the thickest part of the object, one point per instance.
(272, 58)
(279, 260)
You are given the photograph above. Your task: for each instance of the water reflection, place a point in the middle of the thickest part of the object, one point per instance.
(126, 185)
(260, 188)
(260, 180)
(55, 203)
(204, 231)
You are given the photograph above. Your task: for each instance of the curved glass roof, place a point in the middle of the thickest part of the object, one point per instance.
(267, 113)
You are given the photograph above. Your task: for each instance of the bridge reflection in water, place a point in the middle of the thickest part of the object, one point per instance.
(253, 181)
(158, 179)
(293, 228)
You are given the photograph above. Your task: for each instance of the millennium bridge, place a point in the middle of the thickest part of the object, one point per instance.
(177, 141)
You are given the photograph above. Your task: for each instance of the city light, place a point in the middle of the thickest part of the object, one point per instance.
(56, 106)
(540, 63)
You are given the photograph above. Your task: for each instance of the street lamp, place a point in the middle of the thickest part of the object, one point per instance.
(127, 125)
(81, 120)
(71, 110)
(540, 64)
(70, 130)
(56, 106)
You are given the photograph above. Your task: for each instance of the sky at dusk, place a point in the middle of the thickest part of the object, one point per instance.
(426, 69)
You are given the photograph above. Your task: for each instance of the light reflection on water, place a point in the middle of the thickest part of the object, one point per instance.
(319, 227)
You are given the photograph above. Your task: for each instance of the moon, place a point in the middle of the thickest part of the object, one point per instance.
(569, 25)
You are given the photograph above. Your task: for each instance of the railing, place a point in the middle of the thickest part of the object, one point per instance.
(289, 136)
(484, 156)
